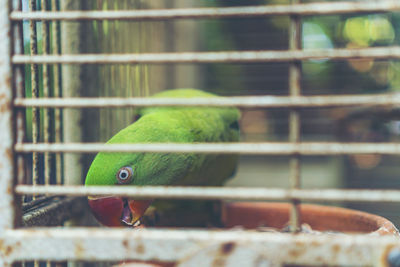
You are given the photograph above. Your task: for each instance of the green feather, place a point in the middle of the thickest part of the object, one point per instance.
(172, 125)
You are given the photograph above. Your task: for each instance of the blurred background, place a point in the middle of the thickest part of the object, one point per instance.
(320, 77)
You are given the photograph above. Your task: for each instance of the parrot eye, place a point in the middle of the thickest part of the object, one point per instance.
(124, 175)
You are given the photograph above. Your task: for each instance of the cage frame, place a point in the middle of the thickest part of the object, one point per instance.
(19, 244)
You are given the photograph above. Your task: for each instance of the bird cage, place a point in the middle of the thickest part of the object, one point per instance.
(45, 132)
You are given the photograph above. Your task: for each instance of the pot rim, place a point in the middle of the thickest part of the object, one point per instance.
(319, 217)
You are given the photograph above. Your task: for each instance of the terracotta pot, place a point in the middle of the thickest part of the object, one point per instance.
(251, 215)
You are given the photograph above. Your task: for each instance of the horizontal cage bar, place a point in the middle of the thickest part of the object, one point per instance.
(227, 12)
(390, 52)
(233, 193)
(176, 245)
(303, 148)
(244, 101)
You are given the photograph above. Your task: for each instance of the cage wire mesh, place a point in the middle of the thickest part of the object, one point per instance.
(316, 83)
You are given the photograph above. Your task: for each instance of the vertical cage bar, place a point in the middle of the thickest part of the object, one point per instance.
(19, 92)
(35, 94)
(20, 123)
(294, 117)
(46, 93)
(7, 171)
(56, 85)
(19, 87)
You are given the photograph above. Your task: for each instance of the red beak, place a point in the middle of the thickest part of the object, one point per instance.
(117, 211)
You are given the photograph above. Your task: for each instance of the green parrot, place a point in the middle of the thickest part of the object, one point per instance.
(164, 125)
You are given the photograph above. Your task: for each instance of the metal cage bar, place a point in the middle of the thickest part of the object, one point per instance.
(19, 84)
(35, 94)
(46, 93)
(294, 117)
(260, 194)
(173, 245)
(7, 166)
(276, 148)
(33, 44)
(57, 92)
(390, 52)
(392, 100)
(197, 13)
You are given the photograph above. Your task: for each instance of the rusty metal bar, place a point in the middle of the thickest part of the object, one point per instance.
(302, 148)
(46, 93)
(20, 116)
(183, 245)
(391, 52)
(227, 193)
(227, 12)
(56, 93)
(230, 193)
(294, 116)
(180, 245)
(19, 84)
(386, 100)
(7, 171)
(35, 94)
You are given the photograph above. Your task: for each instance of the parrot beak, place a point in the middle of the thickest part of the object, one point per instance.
(117, 211)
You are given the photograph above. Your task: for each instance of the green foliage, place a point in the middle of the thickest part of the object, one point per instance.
(368, 30)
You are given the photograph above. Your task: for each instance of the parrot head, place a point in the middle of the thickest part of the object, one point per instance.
(113, 210)
(124, 169)
(132, 169)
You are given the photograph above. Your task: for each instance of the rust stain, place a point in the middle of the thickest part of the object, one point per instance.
(219, 262)
(140, 248)
(5, 107)
(298, 250)
(223, 254)
(9, 153)
(10, 190)
(319, 259)
(227, 248)
(6, 250)
(335, 249)
(8, 81)
(294, 254)
(315, 244)
(1, 247)
(79, 250)
(125, 244)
